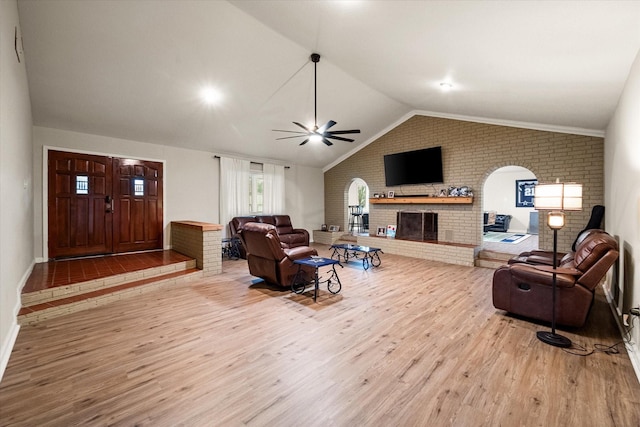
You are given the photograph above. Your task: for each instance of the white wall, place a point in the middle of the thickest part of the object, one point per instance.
(304, 192)
(191, 178)
(622, 198)
(500, 195)
(16, 183)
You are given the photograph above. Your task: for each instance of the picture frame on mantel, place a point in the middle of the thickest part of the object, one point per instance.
(524, 192)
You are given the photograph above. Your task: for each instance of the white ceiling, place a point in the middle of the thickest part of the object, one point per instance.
(133, 69)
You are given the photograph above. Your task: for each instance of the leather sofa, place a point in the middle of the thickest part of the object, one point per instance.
(525, 288)
(289, 237)
(501, 224)
(269, 260)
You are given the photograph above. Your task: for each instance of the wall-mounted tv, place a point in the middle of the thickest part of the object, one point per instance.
(414, 167)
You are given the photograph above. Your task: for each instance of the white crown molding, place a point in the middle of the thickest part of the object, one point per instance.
(499, 122)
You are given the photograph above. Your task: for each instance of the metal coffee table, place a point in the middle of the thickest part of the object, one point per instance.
(368, 255)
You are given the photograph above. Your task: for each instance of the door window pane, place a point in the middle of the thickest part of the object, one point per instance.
(82, 184)
(138, 187)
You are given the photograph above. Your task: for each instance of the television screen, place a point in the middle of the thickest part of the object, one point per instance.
(414, 167)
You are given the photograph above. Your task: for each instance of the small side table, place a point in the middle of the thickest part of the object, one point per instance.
(333, 281)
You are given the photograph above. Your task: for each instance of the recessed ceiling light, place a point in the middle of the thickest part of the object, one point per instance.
(446, 86)
(210, 95)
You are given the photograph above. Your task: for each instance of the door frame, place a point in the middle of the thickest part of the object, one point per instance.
(45, 190)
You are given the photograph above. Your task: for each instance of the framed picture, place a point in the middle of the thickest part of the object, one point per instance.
(382, 231)
(334, 228)
(524, 192)
(391, 194)
(391, 231)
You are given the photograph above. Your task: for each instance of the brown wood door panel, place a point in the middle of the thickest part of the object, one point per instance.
(138, 210)
(78, 223)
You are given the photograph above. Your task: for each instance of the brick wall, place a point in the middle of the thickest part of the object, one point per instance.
(470, 153)
(201, 241)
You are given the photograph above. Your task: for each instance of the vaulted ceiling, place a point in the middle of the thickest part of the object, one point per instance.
(134, 69)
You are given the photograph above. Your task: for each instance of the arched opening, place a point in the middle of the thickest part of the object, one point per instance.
(358, 196)
(510, 223)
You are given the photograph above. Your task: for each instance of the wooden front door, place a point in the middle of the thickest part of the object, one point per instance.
(137, 205)
(95, 207)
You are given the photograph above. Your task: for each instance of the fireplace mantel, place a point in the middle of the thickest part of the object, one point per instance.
(422, 200)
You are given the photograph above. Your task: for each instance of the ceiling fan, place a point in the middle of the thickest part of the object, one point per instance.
(321, 133)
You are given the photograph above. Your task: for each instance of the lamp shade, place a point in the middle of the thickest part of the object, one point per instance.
(558, 196)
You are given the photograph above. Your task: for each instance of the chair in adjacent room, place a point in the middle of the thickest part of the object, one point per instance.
(355, 219)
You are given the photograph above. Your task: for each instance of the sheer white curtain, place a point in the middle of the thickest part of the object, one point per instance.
(273, 190)
(234, 188)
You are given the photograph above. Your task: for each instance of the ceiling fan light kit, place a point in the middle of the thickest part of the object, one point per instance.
(316, 133)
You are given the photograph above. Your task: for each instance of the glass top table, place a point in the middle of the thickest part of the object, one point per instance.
(347, 251)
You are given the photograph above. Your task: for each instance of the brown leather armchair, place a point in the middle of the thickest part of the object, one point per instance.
(267, 258)
(525, 289)
(546, 257)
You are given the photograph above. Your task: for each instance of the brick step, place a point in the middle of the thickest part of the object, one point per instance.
(97, 297)
(66, 291)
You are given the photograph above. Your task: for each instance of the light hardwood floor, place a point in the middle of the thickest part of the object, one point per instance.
(411, 343)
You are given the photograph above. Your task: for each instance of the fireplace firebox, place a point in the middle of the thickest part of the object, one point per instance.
(420, 226)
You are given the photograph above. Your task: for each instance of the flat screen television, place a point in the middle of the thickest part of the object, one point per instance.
(414, 167)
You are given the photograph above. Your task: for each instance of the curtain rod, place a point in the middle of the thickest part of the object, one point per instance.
(255, 163)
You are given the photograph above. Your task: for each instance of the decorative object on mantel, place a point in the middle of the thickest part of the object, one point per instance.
(391, 194)
(323, 227)
(382, 231)
(460, 192)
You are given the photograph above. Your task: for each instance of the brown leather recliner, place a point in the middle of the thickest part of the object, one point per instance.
(546, 257)
(525, 289)
(267, 258)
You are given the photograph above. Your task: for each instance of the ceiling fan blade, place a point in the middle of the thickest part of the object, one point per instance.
(305, 141)
(326, 141)
(339, 138)
(343, 132)
(326, 126)
(289, 131)
(303, 127)
(289, 137)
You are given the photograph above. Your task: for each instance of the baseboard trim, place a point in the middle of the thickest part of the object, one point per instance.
(633, 352)
(10, 339)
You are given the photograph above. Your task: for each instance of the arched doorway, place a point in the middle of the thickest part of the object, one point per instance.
(506, 193)
(358, 195)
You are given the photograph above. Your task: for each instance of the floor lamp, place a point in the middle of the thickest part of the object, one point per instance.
(556, 198)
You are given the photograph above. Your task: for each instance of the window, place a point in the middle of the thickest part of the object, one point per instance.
(138, 187)
(256, 188)
(82, 184)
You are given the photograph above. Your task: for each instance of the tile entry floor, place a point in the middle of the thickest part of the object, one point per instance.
(52, 274)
